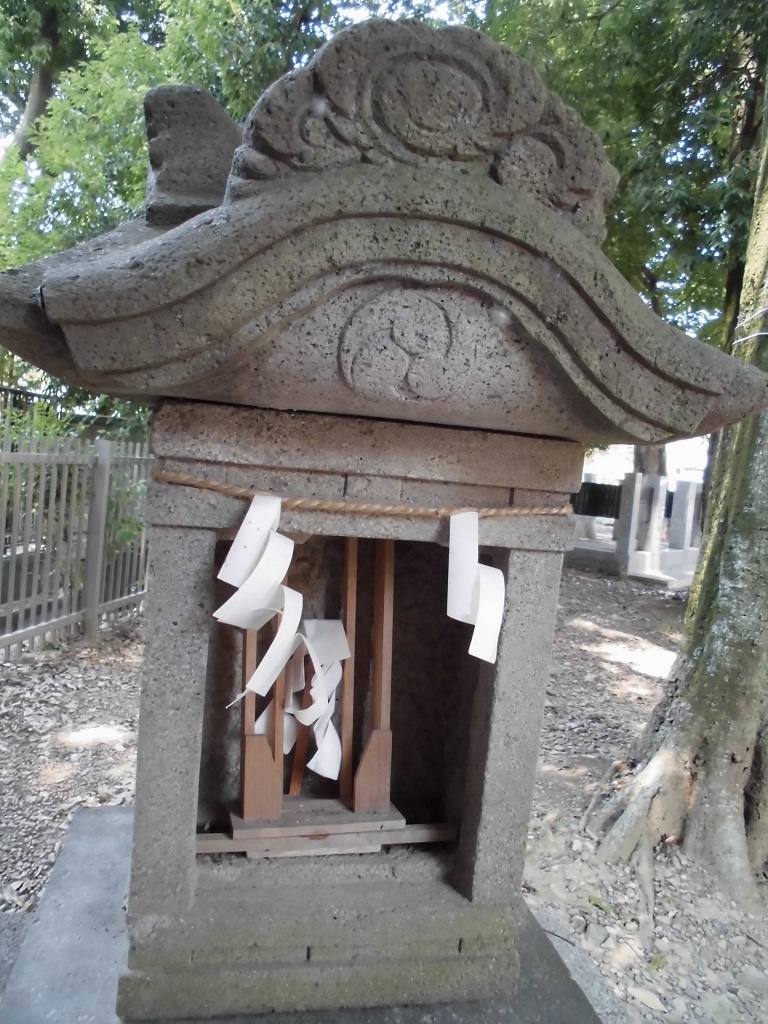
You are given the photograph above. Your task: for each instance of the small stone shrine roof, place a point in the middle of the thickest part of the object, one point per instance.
(407, 228)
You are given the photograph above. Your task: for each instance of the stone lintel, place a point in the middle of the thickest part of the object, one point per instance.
(355, 447)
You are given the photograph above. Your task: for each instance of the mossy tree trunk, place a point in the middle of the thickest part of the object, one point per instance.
(702, 773)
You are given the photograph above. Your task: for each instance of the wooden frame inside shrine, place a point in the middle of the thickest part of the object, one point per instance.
(362, 819)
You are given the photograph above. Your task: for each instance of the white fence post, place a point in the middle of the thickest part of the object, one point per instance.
(94, 548)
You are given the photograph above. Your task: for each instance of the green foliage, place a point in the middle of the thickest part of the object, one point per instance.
(55, 35)
(89, 168)
(238, 47)
(33, 428)
(666, 84)
(37, 422)
(126, 503)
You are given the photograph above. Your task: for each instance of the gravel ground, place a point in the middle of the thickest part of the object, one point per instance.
(68, 738)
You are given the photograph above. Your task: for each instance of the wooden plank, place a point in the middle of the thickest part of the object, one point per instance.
(72, 547)
(421, 834)
(29, 458)
(122, 602)
(302, 740)
(38, 541)
(383, 609)
(347, 710)
(302, 846)
(278, 725)
(95, 546)
(14, 507)
(248, 752)
(61, 498)
(304, 816)
(25, 598)
(49, 626)
(219, 842)
(374, 774)
(265, 797)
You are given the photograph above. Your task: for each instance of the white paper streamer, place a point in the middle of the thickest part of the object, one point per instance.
(261, 519)
(257, 564)
(476, 592)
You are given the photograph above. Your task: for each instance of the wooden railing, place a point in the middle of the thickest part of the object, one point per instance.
(73, 542)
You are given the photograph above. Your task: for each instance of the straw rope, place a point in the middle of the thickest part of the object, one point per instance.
(361, 508)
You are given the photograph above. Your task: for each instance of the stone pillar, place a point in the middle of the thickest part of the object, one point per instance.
(178, 626)
(641, 522)
(653, 497)
(504, 734)
(627, 523)
(683, 520)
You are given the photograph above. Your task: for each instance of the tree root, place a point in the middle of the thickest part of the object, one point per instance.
(667, 799)
(600, 791)
(643, 864)
(757, 803)
(649, 806)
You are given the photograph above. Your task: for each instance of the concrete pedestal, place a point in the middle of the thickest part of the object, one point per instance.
(68, 965)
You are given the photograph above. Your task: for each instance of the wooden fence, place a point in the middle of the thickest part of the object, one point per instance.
(74, 547)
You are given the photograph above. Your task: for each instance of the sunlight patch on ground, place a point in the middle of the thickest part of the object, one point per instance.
(624, 649)
(572, 777)
(649, 660)
(53, 772)
(95, 736)
(634, 687)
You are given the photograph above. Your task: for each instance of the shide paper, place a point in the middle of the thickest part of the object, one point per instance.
(257, 564)
(475, 591)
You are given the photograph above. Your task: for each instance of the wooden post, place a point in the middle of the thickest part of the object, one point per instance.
(94, 547)
(261, 769)
(302, 740)
(248, 780)
(348, 683)
(374, 774)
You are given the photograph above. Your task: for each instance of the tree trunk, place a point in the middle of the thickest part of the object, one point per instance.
(702, 775)
(40, 86)
(651, 458)
(40, 92)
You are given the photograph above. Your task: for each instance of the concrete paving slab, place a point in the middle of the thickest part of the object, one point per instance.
(66, 972)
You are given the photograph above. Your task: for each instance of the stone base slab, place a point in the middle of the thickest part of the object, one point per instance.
(320, 945)
(220, 991)
(68, 965)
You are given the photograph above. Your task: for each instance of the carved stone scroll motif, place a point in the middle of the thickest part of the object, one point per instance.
(402, 93)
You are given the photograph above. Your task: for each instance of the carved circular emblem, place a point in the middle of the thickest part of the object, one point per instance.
(402, 344)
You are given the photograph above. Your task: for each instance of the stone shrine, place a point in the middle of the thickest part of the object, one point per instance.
(384, 297)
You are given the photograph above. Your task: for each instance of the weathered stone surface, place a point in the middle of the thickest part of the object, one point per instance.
(233, 936)
(191, 143)
(439, 268)
(403, 93)
(352, 447)
(261, 303)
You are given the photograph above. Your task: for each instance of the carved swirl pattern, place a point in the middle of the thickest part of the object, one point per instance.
(401, 344)
(385, 92)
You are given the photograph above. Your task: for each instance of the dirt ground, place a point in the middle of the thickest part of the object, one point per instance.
(68, 738)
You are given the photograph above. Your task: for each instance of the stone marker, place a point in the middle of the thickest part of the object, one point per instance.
(396, 296)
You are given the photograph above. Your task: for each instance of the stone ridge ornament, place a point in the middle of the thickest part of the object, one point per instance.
(404, 93)
(408, 230)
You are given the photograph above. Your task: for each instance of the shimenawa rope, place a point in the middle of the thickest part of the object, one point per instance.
(361, 508)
